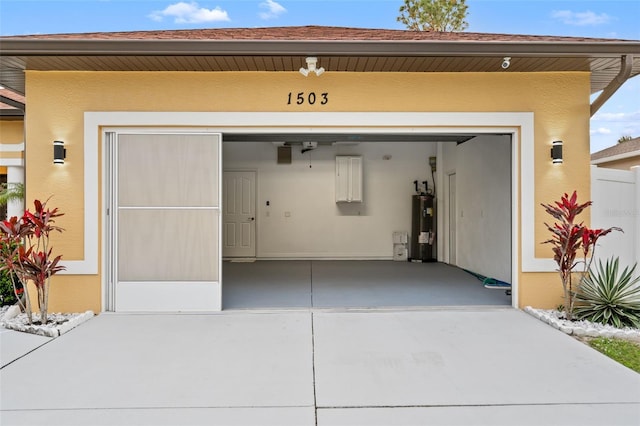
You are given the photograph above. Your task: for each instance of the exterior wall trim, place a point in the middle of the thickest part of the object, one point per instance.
(12, 147)
(611, 158)
(519, 124)
(15, 160)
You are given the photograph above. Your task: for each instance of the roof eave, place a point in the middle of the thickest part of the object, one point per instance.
(616, 157)
(11, 113)
(39, 47)
(12, 103)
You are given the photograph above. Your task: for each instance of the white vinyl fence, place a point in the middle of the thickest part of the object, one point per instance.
(616, 202)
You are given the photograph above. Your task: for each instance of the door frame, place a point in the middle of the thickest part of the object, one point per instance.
(520, 125)
(255, 196)
(447, 218)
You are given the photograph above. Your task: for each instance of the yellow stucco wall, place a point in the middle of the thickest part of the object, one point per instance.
(57, 101)
(11, 132)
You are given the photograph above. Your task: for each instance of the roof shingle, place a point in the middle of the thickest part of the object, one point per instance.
(311, 32)
(618, 149)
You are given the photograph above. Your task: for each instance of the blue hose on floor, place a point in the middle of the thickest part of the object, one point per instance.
(489, 282)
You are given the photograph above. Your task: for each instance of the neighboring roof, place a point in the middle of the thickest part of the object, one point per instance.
(11, 103)
(338, 49)
(619, 151)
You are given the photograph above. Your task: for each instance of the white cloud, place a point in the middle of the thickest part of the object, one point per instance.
(580, 18)
(190, 13)
(617, 116)
(632, 129)
(273, 9)
(600, 131)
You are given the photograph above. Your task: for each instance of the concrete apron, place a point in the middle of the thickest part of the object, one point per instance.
(15, 344)
(395, 367)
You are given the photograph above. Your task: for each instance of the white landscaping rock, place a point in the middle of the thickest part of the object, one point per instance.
(565, 329)
(580, 328)
(579, 332)
(57, 324)
(12, 312)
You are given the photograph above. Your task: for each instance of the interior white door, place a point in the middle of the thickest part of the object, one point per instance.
(239, 218)
(452, 219)
(165, 222)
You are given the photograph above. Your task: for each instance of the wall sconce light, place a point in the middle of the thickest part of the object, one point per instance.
(556, 152)
(59, 152)
(311, 67)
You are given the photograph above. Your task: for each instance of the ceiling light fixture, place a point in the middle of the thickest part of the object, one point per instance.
(311, 67)
(308, 146)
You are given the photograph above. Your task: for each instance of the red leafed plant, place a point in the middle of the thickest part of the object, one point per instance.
(569, 237)
(25, 252)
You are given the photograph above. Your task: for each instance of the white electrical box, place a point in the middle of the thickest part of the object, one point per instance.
(400, 249)
(348, 179)
(400, 253)
(400, 237)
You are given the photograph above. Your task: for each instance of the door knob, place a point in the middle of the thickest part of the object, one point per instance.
(252, 219)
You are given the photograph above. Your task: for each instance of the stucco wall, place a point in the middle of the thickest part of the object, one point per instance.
(57, 101)
(11, 131)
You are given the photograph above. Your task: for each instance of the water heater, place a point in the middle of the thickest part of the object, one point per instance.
(423, 228)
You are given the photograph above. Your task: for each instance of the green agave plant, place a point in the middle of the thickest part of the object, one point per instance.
(609, 297)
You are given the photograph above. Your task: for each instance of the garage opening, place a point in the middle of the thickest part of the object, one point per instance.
(293, 239)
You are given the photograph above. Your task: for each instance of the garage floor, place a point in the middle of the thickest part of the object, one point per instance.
(351, 284)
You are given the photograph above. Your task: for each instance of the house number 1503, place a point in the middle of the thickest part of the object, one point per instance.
(310, 98)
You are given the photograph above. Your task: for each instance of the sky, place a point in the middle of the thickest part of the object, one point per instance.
(620, 116)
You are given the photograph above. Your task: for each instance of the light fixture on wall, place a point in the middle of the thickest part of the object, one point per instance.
(506, 62)
(556, 152)
(59, 152)
(312, 62)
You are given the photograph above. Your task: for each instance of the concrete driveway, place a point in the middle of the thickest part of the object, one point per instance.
(474, 366)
